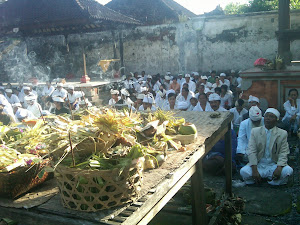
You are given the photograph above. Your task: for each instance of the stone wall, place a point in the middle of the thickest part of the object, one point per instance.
(201, 44)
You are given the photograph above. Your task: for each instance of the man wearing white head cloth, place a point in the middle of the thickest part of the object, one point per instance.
(268, 153)
(21, 113)
(252, 101)
(125, 99)
(33, 106)
(223, 80)
(215, 103)
(114, 97)
(147, 103)
(60, 91)
(139, 84)
(167, 82)
(192, 85)
(11, 98)
(74, 97)
(255, 120)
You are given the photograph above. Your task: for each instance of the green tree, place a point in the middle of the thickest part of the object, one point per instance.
(257, 6)
(235, 8)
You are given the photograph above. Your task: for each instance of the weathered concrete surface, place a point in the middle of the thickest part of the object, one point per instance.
(257, 220)
(265, 201)
(164, 218)
(201, 44)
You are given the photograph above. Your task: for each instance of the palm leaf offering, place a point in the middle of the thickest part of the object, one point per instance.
(99, 139)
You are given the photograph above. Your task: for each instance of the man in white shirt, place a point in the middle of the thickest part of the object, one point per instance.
(192, 85)
(21, 113)
(223, 80)
(149, 83)
(238, 111)
(22, 95)
(204, 82)
(215, 103)
(114, 97)
(128, 84)
(147, 104)
(7, 109)
(139, 84)
(252, 101)
(33, 106)
(268, 153)
(167, 82)
(144, 76)
(125, 97)
(48, 89)
(156, 86)
(184, 96)
(180, 79)
(11, 98)
(196, 77)
(74, 97)
(193, 103)
(255, 120)
(60, 91)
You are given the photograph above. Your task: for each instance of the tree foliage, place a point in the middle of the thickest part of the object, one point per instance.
(257, 6)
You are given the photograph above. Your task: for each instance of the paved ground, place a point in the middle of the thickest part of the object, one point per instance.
(265, 204)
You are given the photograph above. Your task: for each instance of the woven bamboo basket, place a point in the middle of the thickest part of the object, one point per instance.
(94, 190)
(20, 181)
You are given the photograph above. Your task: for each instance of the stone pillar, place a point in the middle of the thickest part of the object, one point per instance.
(284, 24)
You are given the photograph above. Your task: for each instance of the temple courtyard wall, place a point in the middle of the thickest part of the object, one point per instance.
(199, 44)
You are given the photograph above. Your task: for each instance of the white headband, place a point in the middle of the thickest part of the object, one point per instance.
(214, 97)
(273, 111)
(255, 113)
(253, 99)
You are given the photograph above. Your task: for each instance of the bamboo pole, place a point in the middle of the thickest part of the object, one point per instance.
(84, 64)
(72, 151)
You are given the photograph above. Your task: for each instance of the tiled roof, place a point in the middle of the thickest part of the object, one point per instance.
(179, 8)
(150, 11)
(98, 11)
(49, 13)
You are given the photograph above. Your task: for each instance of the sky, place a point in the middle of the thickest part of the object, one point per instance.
(198, 6)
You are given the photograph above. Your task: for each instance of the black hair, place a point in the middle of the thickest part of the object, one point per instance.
(217, 89)
(170, 95)
(49, 99)
(186, 84)
(293, 89)
(164, 86)
(213, 72)
(186, 89)
(200, 85)
(240, 102)
(224, 86)
(203, 95)
(174, 78)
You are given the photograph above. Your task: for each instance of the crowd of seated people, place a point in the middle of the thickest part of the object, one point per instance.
(29, 102)
(259, 147)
